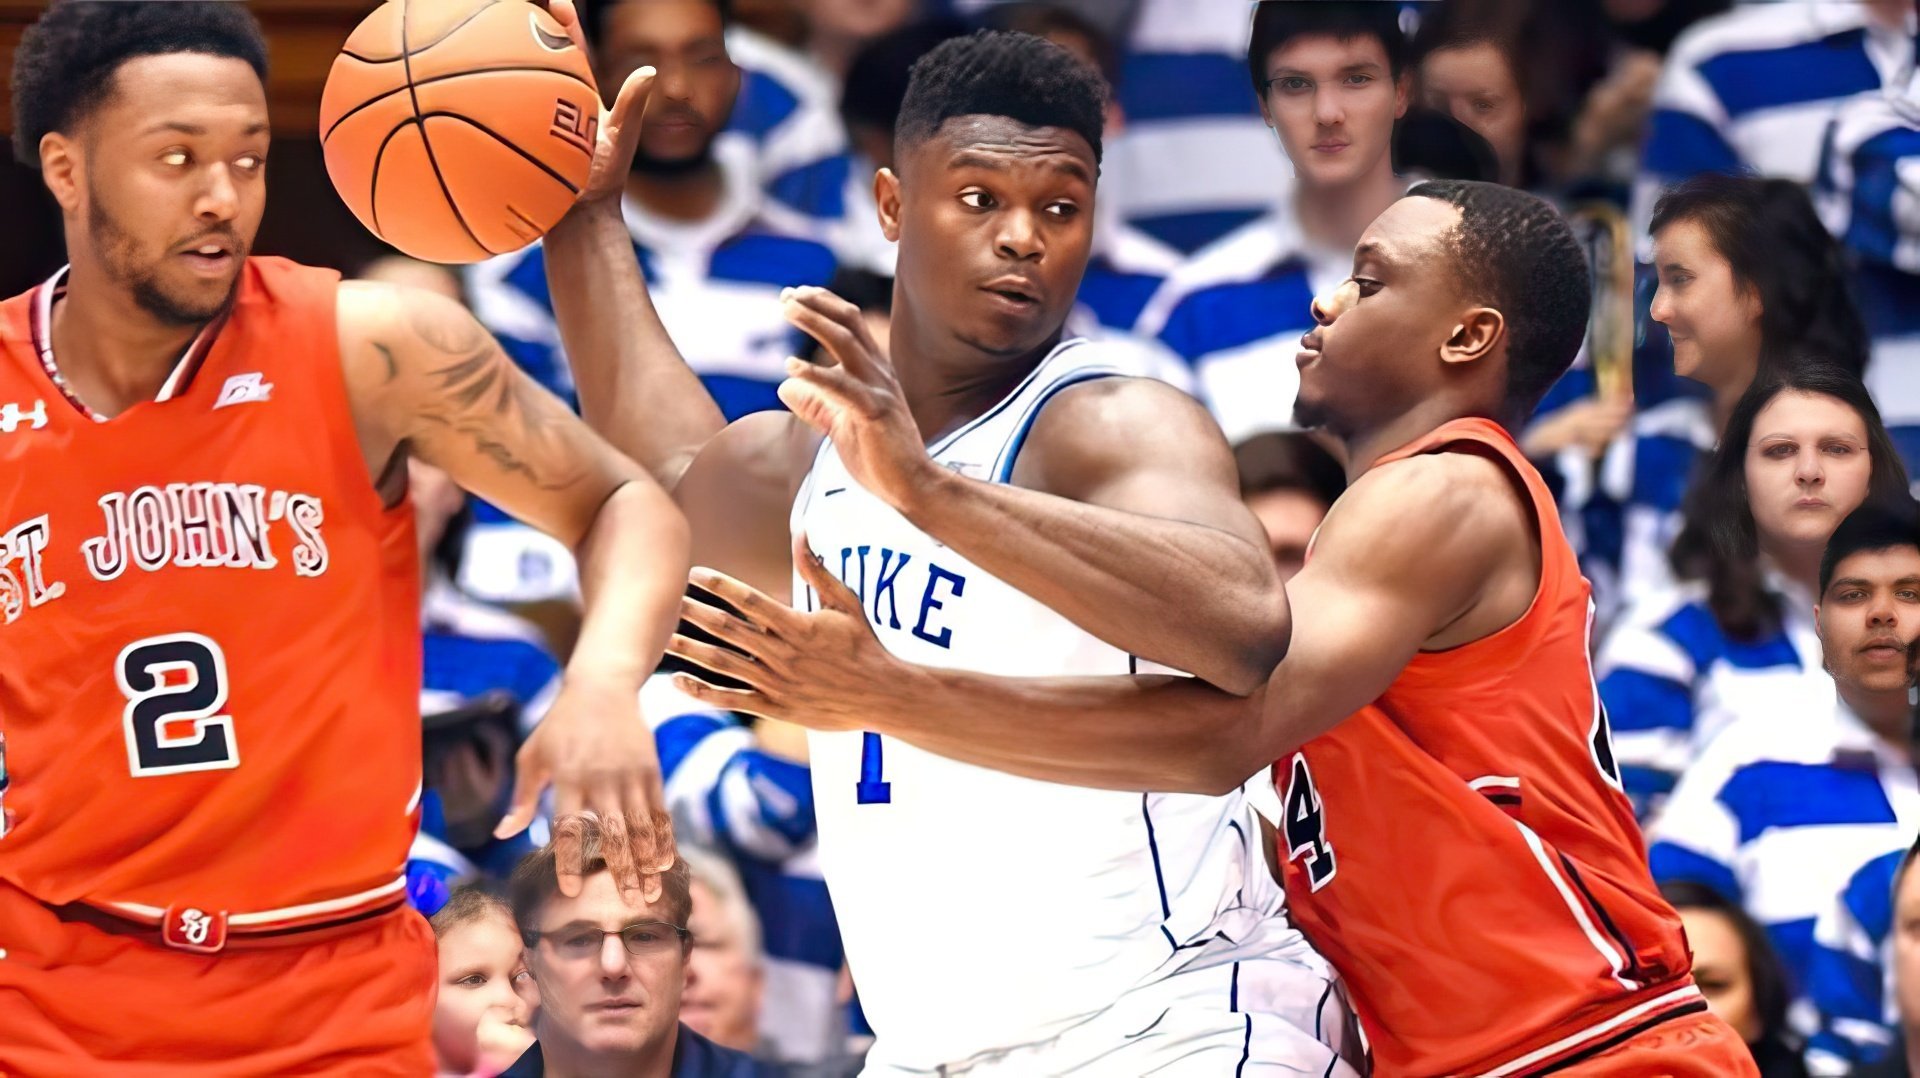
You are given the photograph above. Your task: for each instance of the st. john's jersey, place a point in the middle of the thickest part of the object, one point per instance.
(1461, 849)
(209, 628)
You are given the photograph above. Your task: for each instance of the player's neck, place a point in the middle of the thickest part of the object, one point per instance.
(949, 383)
(693, 195)
(1334, 217)
(1364, 449)
(111, 352)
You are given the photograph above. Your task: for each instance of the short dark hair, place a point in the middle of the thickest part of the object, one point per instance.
(1276, 22)
(1718, 541)
(536, 879)
(1873, 526)
(1517, 254)
(1765, 972)
(64, 67)
(594, 14)
(1771, 236)
(877, 77)
(1003, 73)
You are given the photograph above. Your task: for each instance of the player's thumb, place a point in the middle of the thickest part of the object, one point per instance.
(628, 106)
(527, 784)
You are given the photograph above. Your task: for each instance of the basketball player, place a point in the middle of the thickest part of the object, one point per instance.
(995, 925)
(1454, 836)
(210, 642)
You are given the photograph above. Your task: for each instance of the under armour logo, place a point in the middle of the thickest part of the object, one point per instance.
(11, 417)
(244, 389)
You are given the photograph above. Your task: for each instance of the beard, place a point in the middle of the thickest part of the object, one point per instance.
(671, 168)
(123, 260)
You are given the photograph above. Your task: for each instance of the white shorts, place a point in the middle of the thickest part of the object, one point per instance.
(1282, 1012)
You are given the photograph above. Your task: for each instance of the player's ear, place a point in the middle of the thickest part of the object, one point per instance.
(886, 195)
(60, 168)
(1402, 94)
(1474, 337)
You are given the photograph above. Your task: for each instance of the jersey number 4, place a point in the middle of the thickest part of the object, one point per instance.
(1306, 826)
(176, 689)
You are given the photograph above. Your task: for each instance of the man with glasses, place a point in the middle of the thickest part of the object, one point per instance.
(609, 969)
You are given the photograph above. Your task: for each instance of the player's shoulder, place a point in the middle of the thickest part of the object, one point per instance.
(1431, 502)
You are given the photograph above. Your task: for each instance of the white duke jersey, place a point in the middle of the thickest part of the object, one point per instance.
(981, 910)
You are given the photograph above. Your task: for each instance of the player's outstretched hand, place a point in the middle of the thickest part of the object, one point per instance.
(599, 756)
(855, 400)
(822, 669)
(619, 128)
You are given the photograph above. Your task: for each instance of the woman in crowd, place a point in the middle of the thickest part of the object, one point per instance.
(483, 1018)
(1740, 975)
(1735, 637)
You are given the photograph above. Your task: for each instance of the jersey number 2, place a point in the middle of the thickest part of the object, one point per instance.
(1306, 827)
(176, 688)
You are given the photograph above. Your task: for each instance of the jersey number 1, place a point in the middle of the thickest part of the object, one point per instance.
(871, 789)
(173, 682)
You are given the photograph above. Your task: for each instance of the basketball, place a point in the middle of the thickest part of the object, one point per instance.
(459, 129)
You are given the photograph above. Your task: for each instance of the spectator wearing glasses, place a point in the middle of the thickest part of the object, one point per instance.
(609, 969)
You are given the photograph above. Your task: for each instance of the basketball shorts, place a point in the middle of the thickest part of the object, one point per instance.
(76, 999)
(1278, 1013)
(1698, 1046)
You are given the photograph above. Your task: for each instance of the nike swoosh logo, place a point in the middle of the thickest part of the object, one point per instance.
(835, 490)
(551, 42)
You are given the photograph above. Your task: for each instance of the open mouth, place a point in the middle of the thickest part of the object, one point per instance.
(211, 258)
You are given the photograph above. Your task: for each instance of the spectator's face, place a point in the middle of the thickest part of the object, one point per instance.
(855, 20)
(1333, 104)
(173, 161)
(1289, 516)
(1720, 969)
(605, 1000)
(722, 1001)
(1906, 951)
(480, 961)
(1376, 346)
(436, 501)
(1870, 617)
(1807, 467)
(994, 220)
(692, 96)
(1476, 86)
(1713, 319)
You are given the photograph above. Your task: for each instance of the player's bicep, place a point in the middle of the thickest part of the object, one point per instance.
(461, 404)
(1138, 446)
(737, 496)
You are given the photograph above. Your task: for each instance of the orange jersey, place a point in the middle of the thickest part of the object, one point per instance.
(1462, 852)
(209, 631)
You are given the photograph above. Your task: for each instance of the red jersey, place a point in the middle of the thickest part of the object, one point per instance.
(209, 630)
(1461, 850)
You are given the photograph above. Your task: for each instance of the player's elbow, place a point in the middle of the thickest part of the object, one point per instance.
(1263, 641)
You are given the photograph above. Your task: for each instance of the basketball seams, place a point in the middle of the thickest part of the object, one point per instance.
(384, 95)
(406, 52)
(406, 60)
(502, 140)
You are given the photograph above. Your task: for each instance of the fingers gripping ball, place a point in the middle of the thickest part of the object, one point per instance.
(459, 129)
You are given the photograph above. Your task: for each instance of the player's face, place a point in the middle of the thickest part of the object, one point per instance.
(480, 961)
(722, 1000)
(1807, 467)
(172, 181)
(1375, 347)
(1870, 616)
(1720, 969)
(1713, 319)
(1333, 104)
(612, 1001)
(995, 221)
(1476, 86)
(693, 93)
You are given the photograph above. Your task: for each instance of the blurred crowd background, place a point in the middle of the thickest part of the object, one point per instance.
(1746, 177)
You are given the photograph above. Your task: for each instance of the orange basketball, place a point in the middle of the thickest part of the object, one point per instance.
(459, 129)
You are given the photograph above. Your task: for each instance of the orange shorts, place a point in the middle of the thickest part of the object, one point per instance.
(1697, 1046)
(79, 1000)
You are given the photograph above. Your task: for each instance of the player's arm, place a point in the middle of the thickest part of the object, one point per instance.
(1124, 513)
(1413, 551)
(428, 380)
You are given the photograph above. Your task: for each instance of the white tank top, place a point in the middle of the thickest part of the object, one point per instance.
(981, 910)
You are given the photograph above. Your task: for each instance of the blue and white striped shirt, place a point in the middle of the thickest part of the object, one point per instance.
(728, 794)
(1672, 680)
(1851, 971)
(1780, 812)
(716, 284)
(788, 113)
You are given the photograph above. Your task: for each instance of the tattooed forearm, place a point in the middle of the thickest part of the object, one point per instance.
(393, 368)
